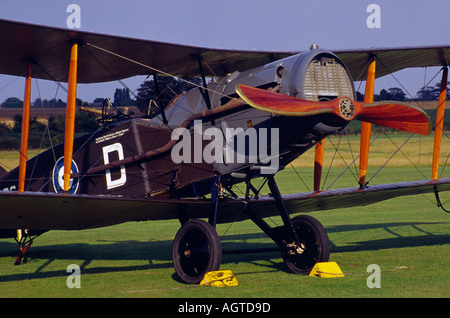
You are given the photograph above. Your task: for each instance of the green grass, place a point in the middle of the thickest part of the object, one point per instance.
(134, 259)
(415, 149)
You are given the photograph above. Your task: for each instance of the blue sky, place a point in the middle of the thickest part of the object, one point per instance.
(291, 25)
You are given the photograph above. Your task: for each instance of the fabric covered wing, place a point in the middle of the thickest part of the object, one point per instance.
(49, 48)
(352, 197)
(44, 211)
(50, 211)
(393, 59)
(336, 199)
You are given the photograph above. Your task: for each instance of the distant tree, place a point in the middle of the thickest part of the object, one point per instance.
(52, 103)
(59, 104)
(12, 102)
(432, 92)
(122, 97)
(385, 95)
(168, 88)
(34, 125)
(359, 97)
(56, 124)
(37, 102)
(427, 93)
(98, 101)
(393, 93)
(396, 93)
(85, 122)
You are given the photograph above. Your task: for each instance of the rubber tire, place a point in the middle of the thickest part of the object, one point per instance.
(196, 250)
(313, 235)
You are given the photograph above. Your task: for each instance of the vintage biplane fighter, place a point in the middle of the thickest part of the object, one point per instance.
(260, 111)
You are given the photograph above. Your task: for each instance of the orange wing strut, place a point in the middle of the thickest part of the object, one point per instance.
(365, 126)
(24, 136)
(70, 116)
(318, 164)
(25, 129)
(439, 124)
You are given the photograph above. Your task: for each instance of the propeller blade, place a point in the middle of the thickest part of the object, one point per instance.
(285, 105)
(396, 115)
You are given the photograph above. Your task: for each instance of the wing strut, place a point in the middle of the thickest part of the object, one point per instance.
(158, 93)
(25, 129)
(439, 124)
(204, 89)
(70, 115)
(318, 164)
(365, 126)
(24, 136)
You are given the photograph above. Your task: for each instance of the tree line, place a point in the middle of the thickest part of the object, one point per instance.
(44, 135)
(167, 88)
(426, 93)
(148, 97)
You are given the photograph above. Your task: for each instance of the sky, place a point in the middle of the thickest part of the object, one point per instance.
(282, 25)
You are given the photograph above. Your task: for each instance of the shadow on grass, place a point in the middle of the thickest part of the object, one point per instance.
(158, 253)
(425, 238)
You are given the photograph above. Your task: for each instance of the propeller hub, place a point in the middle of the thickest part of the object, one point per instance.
(346, 108)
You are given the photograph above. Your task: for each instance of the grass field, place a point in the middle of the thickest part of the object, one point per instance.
(408, 238)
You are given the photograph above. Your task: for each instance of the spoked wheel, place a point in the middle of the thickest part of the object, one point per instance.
(313, 247)
(196, 250)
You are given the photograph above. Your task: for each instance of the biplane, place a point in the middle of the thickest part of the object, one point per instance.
(257, 113)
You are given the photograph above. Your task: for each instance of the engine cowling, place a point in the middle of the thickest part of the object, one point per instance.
(317, 75)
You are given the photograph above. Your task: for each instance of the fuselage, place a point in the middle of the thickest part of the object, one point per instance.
(237, 143)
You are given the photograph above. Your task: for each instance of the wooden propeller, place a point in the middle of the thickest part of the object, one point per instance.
(396, 115)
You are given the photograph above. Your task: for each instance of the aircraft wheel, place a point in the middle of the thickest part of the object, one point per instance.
(196, 250)
(314, 245)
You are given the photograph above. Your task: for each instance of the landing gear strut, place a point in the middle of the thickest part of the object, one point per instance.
(303, 241)
(24, 241)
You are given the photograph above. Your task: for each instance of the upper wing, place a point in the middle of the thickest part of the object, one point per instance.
(46, 211)
(393, 59)
(49, 48)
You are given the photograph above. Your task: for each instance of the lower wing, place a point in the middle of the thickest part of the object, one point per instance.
(46, 211)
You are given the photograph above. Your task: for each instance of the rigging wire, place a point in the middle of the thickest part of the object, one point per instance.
(301, 179)
(395, 152)
(331, 163)
(155, 71)
(345, 162)
(348, 166)
(200, 86)
(152, 68)
(414, 98)
(438, 201)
